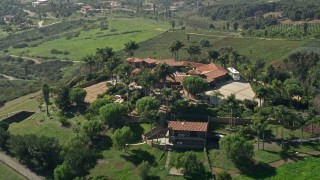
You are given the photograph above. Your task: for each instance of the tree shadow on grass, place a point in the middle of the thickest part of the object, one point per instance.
(138, 131)
(153, 178)
(102, 143)
(136, 156)
(258, 170)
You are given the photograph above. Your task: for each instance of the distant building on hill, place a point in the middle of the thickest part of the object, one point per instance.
(8, 18)
(40, 3)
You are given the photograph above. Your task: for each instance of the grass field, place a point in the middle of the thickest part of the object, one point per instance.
(253, 48)
(122, 165)
(305, 169)
(38, 123)
(9, 174)
(88, 41)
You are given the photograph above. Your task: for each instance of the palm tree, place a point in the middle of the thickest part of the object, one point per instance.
(235, 58)
(216, 94)
(124, 72)
(167, 94)
(146, 79)
(231, 103)
(261, 93)
(287, 118)
(175, 47)
(130, 47)
(89, 61)
(104, 55)
(45, 93)
(259, 125)
(163, 71)
(193, 51)
(111, 65)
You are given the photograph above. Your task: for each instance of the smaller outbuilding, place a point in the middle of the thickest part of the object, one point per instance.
(188, 134)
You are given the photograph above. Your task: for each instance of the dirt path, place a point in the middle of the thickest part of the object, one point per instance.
(10, 78)
(215, 170)
(40, 24)
(18, 167)
(168, 160)
(36, 61)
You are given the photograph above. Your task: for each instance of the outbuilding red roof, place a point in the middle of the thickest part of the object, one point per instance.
(188, 126)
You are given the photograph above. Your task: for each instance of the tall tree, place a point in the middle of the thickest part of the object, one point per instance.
(89, 60)
(232, 104)
(46, 98)
(175, 48)
(193, 51)
(146, 79)
(121, 138)
(163, 71)
(190, 165)
(237, 149)
(173, 24)
(77, 96)
(213, 55)
(112, 113)
(104, 55)
(130, 47)
(195, 85)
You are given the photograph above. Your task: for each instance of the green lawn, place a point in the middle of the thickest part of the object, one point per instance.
(88, 41)
(9, 174)
(307, 168)
(218, 159)
(48, 127)
(120, 165)
(267, 156)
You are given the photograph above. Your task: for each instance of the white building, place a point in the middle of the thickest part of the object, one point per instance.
(234, 74)
(40, 3)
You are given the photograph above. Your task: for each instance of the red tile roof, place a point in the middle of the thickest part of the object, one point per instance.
(177, 78)
(188, 126)
(210, 71)
(211, 67)
(214, 75)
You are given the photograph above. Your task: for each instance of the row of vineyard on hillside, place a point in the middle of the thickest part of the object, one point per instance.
(287, 31)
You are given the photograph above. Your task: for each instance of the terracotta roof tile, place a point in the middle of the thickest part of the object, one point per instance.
(177, 78)
(188, 126)
(214, 75)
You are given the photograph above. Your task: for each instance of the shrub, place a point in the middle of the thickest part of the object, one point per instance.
(21, 45)
(144, 169)
(223, 175)
(204, 43)
(55, 51)
(64, 121)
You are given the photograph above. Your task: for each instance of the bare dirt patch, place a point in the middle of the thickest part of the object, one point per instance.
(215, 170)
(94, 91)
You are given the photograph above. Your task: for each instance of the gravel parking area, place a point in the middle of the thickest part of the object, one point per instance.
(241, 89)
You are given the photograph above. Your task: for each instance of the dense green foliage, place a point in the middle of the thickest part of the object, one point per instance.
(122, 137)
(237, 149)
(195, 85)
(113, 113)
(38, 152)
(190, 164)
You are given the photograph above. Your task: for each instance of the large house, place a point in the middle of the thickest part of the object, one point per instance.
(211, 72)
(191, 134)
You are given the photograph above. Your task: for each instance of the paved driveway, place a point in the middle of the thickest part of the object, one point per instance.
(241, 89)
